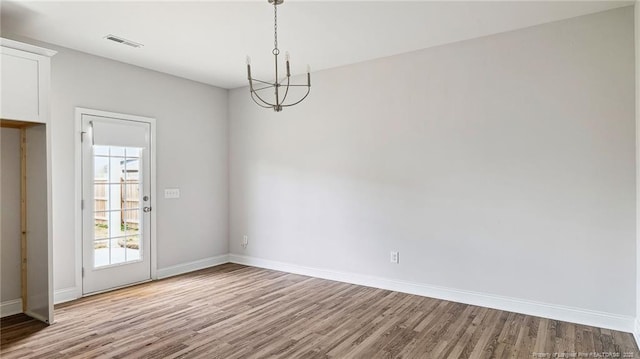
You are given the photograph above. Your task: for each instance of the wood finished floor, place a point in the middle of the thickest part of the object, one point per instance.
(234, 311)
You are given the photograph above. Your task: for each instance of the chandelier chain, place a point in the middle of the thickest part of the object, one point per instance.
(275, 25)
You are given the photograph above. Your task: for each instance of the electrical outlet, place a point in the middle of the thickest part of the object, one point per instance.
(172, 193)
(395, 257)
(245, 241)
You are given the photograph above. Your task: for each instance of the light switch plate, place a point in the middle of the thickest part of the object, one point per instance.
(172, 193)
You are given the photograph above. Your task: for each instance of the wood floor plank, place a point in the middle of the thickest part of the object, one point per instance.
(234, 311)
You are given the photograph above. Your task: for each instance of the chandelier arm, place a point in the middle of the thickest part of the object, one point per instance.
(261, 100)
(302, 99)
(299, 85)
(282, 79)
(258, 103)
(255, 95)
(264, 82)
(286, 92)
(263, 88)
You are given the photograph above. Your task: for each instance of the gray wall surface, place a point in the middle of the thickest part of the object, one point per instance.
(192, 153)
(501, 165)
(10, 236)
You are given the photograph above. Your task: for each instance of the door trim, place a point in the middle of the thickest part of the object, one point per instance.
(78, 188)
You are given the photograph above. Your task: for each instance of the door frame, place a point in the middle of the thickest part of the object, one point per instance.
(78, 189)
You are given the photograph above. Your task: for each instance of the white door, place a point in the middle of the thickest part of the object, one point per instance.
(116, 203)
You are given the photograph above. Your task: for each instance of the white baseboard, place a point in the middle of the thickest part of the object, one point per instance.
(192, 266)
(545, 310)
(10, 307)
(72, 293)
(636, 331)
(66, 294)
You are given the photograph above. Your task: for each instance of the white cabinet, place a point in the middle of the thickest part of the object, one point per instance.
(24, 115)
(24, 81)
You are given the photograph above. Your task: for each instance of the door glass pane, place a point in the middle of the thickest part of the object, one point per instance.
(132, 152)
(114, 192)
(117, 250)
(101, 253)
(115, 169)
(117, 205)
(131, 220)
(133, 248)
(116, 151)
(131, 195)
(101, 196)
(101, 150)
(101, 168)
(101, 229)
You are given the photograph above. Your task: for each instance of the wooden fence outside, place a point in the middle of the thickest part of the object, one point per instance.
(129, 202)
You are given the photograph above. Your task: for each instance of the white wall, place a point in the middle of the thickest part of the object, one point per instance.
(192, 153)
(10, 209)
(502, 165)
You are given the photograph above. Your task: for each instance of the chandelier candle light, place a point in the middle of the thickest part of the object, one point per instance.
(279, 86)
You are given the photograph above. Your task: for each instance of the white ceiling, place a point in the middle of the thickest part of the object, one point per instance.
(208, 41)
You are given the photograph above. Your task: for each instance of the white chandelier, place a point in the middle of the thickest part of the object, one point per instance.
(279, 86)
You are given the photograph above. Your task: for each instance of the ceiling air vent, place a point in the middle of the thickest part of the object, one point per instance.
(122, 41)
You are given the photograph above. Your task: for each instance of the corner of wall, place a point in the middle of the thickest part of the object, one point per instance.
(228, 114)
(636, 332)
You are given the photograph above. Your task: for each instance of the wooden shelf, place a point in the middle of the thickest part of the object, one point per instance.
(4, 123)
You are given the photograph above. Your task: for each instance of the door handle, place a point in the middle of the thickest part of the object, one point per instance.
(146, 209)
